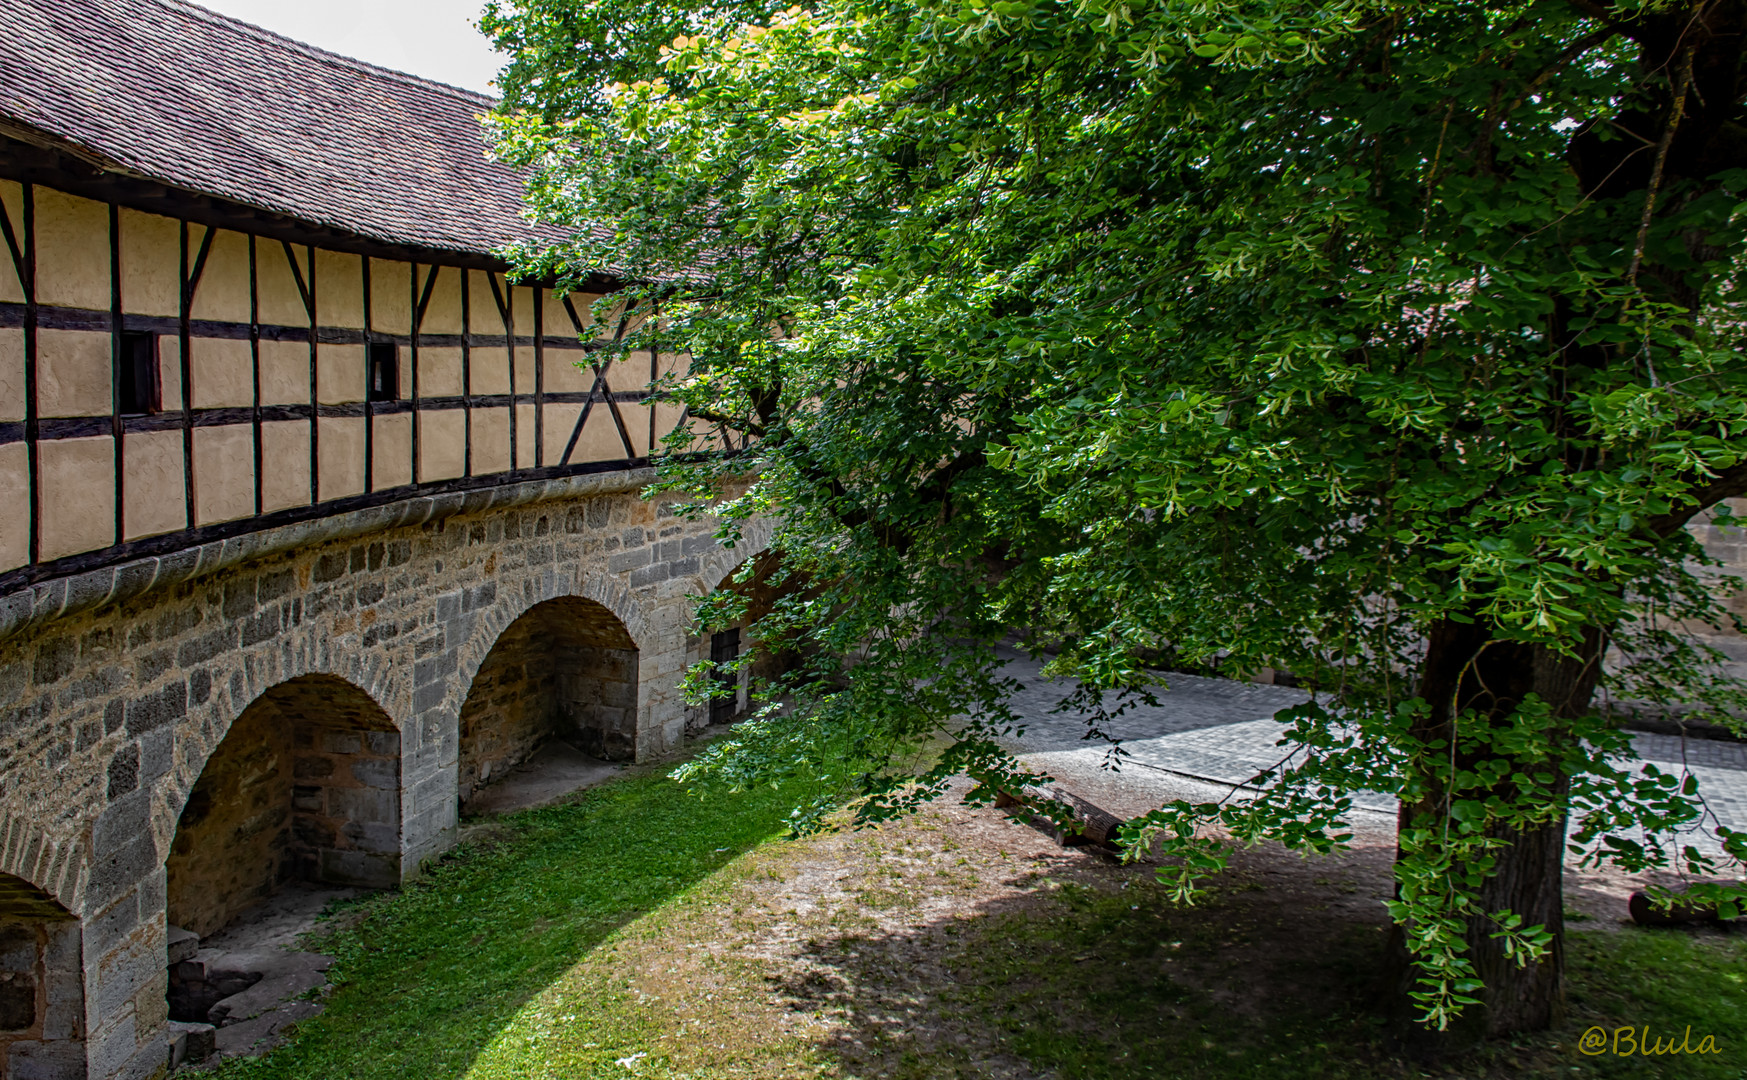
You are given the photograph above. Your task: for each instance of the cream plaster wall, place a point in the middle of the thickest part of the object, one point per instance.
(339, 289)
(482, 305)
(489, 369)
(666, 418)
(154, 500)
(284, 373)
(390, 306)
(169, 372)
(442, 444)
(340, 449)
(341, 369)
(524, 370)
(72, 251)
(12, 205)
(565, 374)
(391, 451)
(439, 371)
(280, 302)
(630, 373)
(522, 308)
(14, 527)
(222, 292)
(637, 426)
(151, 261)
(77, 492)
(443, 313)
(11, 371)
(285, 464)
(74, 373)
(525, 436)
(224, 473)
(560, 421)
(599, 440)
(491, 441)
(222, 371)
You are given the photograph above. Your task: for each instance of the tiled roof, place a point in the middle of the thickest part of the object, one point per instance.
(199, 101)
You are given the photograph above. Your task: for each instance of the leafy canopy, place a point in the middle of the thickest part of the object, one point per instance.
(1271, 333)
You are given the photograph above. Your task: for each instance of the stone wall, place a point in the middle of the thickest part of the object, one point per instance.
(111, 709)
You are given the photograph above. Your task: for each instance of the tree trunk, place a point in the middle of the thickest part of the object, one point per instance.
(1465, 671)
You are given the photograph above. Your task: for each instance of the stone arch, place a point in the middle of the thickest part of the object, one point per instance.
(42, 984)
(719, 561)
(303, 784)
(564, 670)
(55, 867)
(725, 645)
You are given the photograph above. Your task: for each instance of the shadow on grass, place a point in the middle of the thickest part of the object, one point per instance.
(432, 975)
(1093, 973)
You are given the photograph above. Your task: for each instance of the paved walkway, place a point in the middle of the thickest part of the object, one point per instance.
(1222, 732)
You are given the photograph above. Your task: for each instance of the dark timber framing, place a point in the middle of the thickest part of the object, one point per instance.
(255, 366)
(115, 320)
(185, 416)
(466, 376)
(369, 402)
(539, 380)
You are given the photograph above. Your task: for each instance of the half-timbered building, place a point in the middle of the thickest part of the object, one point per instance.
(315, 520)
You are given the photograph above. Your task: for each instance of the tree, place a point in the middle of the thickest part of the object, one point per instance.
(1393, 345)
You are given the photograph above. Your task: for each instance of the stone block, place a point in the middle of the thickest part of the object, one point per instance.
(181, 944)
(362, 804)
(377, 772)
(627, 561)
(124, 771)
(340, 742)
(358, 868)
(154, 710)
(45, 1060)
(157, 751)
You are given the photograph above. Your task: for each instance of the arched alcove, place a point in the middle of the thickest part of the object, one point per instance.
(42, 984)
(726, 643)
(565, 669)
(305, 785)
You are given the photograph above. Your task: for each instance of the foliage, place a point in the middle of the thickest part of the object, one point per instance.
(1392, 345)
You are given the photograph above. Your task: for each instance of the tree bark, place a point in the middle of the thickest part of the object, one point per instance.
(1467, 671)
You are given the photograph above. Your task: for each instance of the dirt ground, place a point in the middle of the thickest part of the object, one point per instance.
(966, 943)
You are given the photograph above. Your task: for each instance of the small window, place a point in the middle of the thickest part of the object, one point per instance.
(724, 650)
(139, 374)
(384, 373)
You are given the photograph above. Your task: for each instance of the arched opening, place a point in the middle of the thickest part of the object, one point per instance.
(304, 787)
(758, 583)
(565, 671)
(42, 984)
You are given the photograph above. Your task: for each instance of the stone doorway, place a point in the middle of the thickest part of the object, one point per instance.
(565, 672)
(42, 984)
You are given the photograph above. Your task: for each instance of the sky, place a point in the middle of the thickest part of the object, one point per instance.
(432, 38)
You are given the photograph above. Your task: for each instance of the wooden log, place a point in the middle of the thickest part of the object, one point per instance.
(1645, 913)
(1095, 825)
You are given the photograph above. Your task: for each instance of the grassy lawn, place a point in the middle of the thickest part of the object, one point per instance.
(641, 932)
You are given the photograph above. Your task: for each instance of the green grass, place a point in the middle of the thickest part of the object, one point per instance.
(629, 935)
(437, 979)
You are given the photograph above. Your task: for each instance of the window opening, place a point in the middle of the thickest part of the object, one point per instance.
(724, 650)
(139, 374)
(384, 373)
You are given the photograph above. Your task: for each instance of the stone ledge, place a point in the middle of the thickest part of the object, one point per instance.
(35, 605)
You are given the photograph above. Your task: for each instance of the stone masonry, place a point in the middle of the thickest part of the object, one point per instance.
(116, 689)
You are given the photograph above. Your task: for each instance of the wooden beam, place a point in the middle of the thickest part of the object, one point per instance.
(115, 360)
